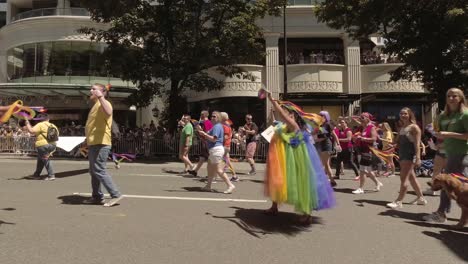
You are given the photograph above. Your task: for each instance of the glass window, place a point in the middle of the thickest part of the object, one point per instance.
(2, 18)
(80, 58)
(61, 58)
(97, 61)
(43, 59)
(18, 62)
(60, 61)
(29, 57)
(10, 64)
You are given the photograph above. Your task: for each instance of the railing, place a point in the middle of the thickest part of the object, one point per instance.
(144, 148)
(302, 2)
(51, 12)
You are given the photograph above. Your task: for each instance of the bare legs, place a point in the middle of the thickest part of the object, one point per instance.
(218, 169)
(325, 158)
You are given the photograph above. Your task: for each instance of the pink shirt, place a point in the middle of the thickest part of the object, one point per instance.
(207, 125)
(343, 134)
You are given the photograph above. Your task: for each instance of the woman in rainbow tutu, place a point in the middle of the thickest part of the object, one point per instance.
(294, 172)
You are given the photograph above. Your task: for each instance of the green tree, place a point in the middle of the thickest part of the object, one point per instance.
(430, 36)
(174, 42)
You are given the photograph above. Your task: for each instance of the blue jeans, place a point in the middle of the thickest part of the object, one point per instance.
(455, 164)
(97, 156)
(43, 160)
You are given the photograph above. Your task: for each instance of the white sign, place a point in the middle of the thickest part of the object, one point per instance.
(268, 133)
(69, 143)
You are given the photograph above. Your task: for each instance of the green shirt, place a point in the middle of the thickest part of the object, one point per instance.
(458, 123)
(187, 131)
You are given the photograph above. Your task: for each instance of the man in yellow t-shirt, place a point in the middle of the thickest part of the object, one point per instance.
(44, 147)
(98, 139)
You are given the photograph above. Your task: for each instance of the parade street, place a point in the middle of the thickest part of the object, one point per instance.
(165, 218)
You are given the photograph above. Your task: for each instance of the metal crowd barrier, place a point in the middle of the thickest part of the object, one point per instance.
(146, 148)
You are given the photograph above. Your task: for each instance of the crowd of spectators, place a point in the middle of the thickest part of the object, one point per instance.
(372, 57)
(16, 138)
(315, 57)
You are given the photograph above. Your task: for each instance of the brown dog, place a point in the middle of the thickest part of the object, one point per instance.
(457, 190)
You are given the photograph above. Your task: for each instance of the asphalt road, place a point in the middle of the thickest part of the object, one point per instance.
(167, 219)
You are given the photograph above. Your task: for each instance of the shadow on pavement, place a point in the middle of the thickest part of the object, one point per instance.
(193, 189)
(437, 225)
(404, 215)
(343, 190)
(254, 181)
(71, 173)
(29, 178)
(5, 223)
(455, 241)
(73, 199)
(412, 216)
(63, 174)
(256, 223)
(175, 172)
(361, 202)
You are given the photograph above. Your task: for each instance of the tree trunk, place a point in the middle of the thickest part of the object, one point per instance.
(176, 107)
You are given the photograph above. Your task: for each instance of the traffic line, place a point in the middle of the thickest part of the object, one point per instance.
(157, 175)
(182, 198)
(175, 176)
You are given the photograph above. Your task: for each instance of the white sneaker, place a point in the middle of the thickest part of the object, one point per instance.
(230, 189)
(395, 204)
(358, 191)
(378, 186)
(419, 201)
(429, 191)
(113, 201)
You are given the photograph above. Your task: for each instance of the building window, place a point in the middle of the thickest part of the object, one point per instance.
(59, 58)
(2, 18)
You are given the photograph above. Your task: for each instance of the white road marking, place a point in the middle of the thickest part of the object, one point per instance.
(176, 176)
(182, 198)
(157, 175)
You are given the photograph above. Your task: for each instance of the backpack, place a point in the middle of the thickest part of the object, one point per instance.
(52, 134)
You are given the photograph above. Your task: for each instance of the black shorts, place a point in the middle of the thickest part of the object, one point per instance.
(366, 159)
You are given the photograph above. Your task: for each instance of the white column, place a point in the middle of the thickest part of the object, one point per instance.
(3, 66)
(272, 69)
(9, 12)
(353, 65)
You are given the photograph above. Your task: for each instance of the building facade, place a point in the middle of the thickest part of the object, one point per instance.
(45, 61)
(326, 70)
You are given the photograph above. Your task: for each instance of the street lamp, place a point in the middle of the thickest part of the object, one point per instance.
(285, 60)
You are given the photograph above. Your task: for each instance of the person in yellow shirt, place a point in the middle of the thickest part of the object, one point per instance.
(44, 147)
(98, 139)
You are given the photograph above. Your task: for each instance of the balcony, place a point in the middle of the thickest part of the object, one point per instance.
(314, 78)
(375, 79)
(51, 12)
(234, 86)
(301, 2)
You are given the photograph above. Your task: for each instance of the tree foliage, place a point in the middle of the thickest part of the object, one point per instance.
(174, 42)
(430, 36)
